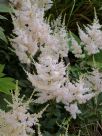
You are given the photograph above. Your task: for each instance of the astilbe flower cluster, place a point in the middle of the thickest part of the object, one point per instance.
(17, 121)
(33, 35)
(92, 37)
(76, 48)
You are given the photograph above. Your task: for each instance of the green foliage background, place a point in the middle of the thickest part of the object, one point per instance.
(56, 121)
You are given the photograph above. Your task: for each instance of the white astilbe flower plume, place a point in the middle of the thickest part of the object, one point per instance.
(76, 48)
(45, 4)
(50, 79)
(30, 28)
(51, 83)
(18, 121)
(94, 80)
(60, 33)
(92, 37)
(32, 31)
(50, 73)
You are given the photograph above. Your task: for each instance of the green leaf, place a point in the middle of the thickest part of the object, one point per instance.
(5, 8)
(6, 84)
(1, 68)
(2, 35)
(97, 59)
(75, 37)
(2, 17)
(2, 74)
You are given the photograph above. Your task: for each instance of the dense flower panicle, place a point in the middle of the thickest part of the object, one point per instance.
(72, 94)
(60, 33)
(50, 75)
(42, 4)
(73, 109)
(32, 31)
(18, 121)
(91, 37)
(94, 80)
(61, 90)
(76, 48)
(50, 79)
(27, 46)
